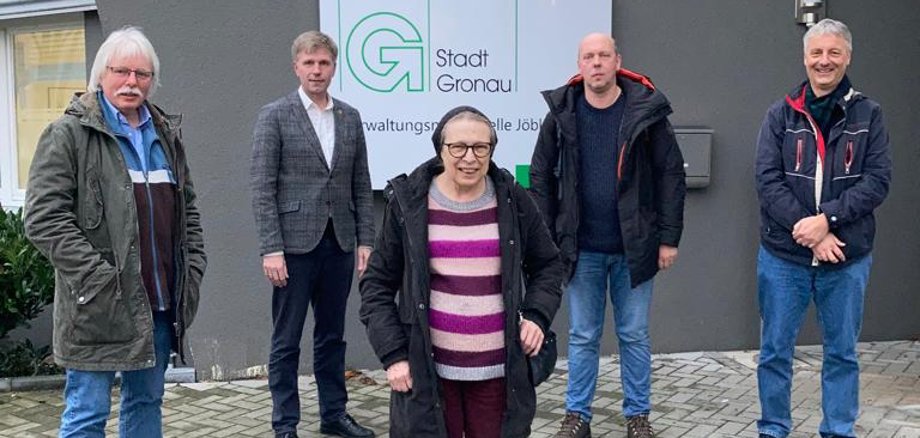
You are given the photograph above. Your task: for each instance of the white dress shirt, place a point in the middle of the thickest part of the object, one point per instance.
(323, 124)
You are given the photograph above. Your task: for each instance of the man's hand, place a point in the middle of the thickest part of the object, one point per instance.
(399, 377)
(275, 269)
(829, 250)
(810, 231)
(364, 253)
(667, 255)
(531, 337)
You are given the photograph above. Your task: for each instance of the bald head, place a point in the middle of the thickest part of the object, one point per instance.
(597, 39)
(598, 62)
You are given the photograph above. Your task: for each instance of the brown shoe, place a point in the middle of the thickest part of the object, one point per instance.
(573, 426)
(639, 427)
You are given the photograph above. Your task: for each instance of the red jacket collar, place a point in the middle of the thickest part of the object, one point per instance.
(621, 73)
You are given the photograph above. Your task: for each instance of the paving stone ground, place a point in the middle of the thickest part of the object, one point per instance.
(700, 394)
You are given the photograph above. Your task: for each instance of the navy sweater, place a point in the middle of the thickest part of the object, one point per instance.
(598, 137)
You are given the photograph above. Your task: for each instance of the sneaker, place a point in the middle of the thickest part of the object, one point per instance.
(573, 426)
(639, 427)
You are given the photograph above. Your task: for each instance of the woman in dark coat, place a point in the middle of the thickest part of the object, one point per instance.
(444, 297)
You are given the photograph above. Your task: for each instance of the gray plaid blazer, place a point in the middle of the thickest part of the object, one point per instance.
(295, 193)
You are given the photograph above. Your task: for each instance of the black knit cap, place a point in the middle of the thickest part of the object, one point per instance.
(436, 136)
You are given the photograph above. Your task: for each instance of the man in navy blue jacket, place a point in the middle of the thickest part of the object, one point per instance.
(823, 165)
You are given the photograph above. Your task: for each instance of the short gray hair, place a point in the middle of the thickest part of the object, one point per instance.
(311, 41)
(125, 42)
(832, 27)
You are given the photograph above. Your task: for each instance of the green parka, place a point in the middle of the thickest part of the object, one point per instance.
(80, 212)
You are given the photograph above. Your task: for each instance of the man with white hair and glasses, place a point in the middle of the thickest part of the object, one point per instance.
(823, 166)
(110, 203)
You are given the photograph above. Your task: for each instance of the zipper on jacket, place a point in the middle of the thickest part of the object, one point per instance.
(620, 163)
(650, 119)
(819, 168)
(848, 157)
(560, 161)
(798, 154)
(153, 250)
(819, 176)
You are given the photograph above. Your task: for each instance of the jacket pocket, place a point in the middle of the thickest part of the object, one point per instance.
(192, 298)
(92, 206)
(288, 207)
(100, 313)
(848, 164)
(774, 236)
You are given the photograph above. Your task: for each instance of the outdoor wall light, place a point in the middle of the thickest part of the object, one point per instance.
(809, 12)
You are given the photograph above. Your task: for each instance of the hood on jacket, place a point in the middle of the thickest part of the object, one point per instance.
(85, 106)
(436, 135)
(644, 102)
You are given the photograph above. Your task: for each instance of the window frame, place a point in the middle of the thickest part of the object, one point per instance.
(11, 195)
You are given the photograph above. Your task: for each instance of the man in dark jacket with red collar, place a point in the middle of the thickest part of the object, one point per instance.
(823, 166)
(609, 179)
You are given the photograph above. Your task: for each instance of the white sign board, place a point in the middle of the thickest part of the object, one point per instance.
(404, 63)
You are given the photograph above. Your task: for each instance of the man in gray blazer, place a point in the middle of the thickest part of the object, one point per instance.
(312, 199)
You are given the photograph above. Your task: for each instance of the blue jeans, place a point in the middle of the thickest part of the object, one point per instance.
(785, 290)
(587, 295)
(88, 395)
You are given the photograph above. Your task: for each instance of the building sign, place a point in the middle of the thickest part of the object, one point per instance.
(404, 63)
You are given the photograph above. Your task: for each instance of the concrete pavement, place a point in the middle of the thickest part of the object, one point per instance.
(701, 394)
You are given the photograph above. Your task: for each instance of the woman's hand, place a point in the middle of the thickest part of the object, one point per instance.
(531, 337)
(399, 377)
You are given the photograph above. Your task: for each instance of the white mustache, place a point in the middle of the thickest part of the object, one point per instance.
(128, 92)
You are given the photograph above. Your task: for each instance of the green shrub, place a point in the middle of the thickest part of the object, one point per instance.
(26, 276)
(26, 287)
(24, 359)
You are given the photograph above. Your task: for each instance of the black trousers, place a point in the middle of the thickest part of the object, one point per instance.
(321, 278)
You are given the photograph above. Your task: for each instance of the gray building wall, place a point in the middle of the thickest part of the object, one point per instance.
(721, 63)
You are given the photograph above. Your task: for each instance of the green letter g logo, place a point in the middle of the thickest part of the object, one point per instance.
(384, 50)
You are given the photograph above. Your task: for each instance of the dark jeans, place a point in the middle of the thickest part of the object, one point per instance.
(473, 409)
(321, 278)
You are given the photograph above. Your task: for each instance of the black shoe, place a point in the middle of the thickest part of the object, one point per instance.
(286, 435)
(346, 427)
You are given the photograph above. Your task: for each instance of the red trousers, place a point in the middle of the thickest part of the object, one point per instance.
(473, 409)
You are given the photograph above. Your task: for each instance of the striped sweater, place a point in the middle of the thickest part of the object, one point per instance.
(466, 312)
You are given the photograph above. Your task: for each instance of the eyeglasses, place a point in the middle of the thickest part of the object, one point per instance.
(458, 150)
(124, 72)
